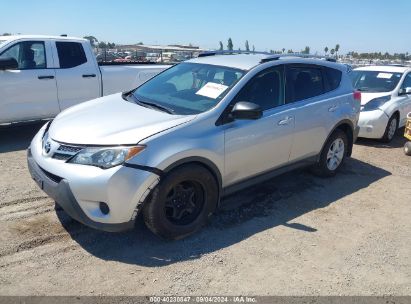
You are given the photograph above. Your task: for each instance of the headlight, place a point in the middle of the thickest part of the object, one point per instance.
(105, 157)
(375, 103)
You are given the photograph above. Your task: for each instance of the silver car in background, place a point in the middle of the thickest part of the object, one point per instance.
(196, 132)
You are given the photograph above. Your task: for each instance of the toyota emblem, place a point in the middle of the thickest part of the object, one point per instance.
(47, 147)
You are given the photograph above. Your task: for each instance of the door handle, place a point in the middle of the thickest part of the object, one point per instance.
(285, 121)
(332, 108)
(46, 77)
(89, 75)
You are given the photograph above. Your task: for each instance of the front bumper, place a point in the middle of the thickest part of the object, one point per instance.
(59, 190)
(372, 124)
(79, 189)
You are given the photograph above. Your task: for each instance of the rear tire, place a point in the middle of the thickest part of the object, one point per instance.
(407, 148)
(333, 155)
(182, 202)
(391, 128)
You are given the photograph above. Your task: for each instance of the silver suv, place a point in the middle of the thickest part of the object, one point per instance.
(198, 131)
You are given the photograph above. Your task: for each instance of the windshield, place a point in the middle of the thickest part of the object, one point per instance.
(188, 88)
(374, 81)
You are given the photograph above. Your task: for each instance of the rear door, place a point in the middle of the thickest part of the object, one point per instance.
(77, 75)
(316, 111)
(28, 92)
(253, 147)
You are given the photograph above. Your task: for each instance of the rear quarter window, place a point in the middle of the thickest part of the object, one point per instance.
(71, 54)
(332, 78)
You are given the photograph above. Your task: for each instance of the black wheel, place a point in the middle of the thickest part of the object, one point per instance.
(182, 202)
(391, 128)
(333, 155)
(407, 148)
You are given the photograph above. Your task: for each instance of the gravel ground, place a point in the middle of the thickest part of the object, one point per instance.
(294, 235)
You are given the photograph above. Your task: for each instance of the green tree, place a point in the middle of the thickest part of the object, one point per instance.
(290, 51)
(332, 51)
(102, 45)
(93, 40)
(306, 50)
(221, 46)
(230, 45)
(247, 46)
(6, 34)
(283, 50)
(337, 48)
(326, 50)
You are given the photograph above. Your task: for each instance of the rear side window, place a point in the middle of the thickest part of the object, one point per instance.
(303, 82)
(71, 54)
(333, 78)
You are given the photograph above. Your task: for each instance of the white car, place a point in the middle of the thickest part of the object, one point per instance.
(198, 131)
(385, 99)
(43, 75)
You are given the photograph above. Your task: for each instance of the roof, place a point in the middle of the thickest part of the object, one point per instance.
(239, 61)
(14, 37)
(248, 61)
(385, 68)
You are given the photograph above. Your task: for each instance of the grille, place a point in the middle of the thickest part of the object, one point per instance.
(65, 152)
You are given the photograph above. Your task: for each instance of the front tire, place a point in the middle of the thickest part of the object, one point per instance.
(390, 130)
(333, 155)
(181, 203)
(407, 148)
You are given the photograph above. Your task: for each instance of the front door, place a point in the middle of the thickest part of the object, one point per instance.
(28, 92)
(253, 147)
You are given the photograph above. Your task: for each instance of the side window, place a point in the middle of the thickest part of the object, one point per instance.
(333, 78)
(407, 82)
(303, 82)
(71, 54)
(265, 89)
(28, 54)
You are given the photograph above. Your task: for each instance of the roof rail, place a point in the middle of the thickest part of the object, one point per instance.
(300, 55)
(228, 52)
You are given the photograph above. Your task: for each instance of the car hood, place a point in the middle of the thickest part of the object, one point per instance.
(366, 97)
(111, 120)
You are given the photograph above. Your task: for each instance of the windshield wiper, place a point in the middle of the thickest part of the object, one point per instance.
(154, 105)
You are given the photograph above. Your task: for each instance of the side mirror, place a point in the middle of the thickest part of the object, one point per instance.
(405, 91)
(8, 64)
(246, 110)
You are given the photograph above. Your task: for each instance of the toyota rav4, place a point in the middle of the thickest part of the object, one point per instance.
(196, 132)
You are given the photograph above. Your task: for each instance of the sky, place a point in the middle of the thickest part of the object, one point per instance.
(357, 25)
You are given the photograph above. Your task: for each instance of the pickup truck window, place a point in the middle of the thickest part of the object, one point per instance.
(71, 54)
(188, 88)
(28, 54)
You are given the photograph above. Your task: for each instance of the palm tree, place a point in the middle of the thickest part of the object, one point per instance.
(283, 50)
(247, 46)
(326, 50)
(230, 45)
(332, 51)
(337, 48)
(221, 46)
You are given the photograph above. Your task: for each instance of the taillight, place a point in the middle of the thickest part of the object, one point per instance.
(357, 96)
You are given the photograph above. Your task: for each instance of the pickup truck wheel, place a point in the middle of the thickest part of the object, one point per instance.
(181, 203)
(391, 128)
(407, 148)
(333, 155)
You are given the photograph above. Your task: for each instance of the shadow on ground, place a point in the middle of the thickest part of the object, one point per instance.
(397, 142)
(275, 202)
(18, 137)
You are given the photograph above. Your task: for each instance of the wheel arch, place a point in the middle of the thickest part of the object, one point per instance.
(347, 127)
(206, 163)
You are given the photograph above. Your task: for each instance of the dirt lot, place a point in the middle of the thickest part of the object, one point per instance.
(294, 235)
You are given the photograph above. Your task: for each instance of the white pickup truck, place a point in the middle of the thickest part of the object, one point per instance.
(43, 75)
